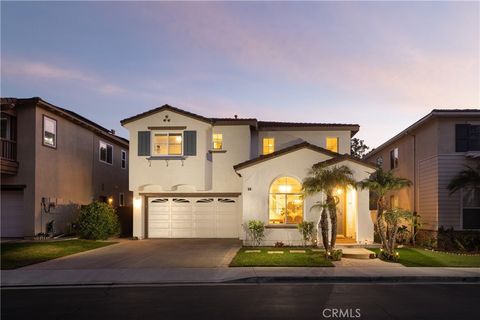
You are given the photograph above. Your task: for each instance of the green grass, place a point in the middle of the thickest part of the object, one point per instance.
(413, 257)
(287, 259)
(19, 254)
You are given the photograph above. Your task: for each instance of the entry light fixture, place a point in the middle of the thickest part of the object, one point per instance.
(137, 203)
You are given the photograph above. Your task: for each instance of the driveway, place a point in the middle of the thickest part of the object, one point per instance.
(158, 253)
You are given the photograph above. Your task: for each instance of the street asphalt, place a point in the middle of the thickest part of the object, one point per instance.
(245, 301)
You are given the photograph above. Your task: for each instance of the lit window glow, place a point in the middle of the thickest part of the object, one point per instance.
(268, 145)
(217, 141)
(285, 201)
(332, 144)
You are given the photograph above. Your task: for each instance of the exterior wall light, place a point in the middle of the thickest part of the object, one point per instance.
(137, 203)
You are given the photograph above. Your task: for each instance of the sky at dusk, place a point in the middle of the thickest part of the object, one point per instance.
(382, 65)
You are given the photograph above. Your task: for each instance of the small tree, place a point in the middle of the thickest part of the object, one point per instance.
(256, 229)
(380, 183)
(307, 230)
(358, 148)
(467, 178)
(98, 221)
(322, 178)
(392, 218)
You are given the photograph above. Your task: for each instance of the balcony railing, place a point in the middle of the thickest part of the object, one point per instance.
(9, 149)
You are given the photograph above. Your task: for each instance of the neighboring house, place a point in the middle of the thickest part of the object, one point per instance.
(430, 153)
(194, 176)
(52, 161)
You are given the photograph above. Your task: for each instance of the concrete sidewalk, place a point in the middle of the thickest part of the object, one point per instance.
(24, 277)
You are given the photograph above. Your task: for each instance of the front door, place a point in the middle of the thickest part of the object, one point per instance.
(341, 212)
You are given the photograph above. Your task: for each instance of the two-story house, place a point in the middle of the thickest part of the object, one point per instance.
(430, 153)
(52, 161)
(194, 176)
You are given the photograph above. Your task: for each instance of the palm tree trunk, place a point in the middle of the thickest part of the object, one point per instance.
(332, 208)
(323, 228)
(380, 226)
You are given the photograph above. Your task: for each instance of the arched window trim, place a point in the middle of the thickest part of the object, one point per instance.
(286, 194)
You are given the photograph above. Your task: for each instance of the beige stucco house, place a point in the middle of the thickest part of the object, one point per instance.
(52, 161)
(195, 177)
(430, 153)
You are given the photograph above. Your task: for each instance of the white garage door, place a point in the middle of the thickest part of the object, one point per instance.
(192, 218)
(12, 214)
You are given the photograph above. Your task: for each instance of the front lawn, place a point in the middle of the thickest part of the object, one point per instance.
(19, 254)
(413, 257)
(287, 259)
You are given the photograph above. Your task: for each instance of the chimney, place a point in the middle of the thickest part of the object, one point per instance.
(112, 131)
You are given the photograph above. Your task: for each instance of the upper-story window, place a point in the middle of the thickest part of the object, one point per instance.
(49, 132)
(167, 144)
(332, 144)
(268, 145)
(394, 158)
(124, 159)
(106, 152)
(217, 141)
(467, 137)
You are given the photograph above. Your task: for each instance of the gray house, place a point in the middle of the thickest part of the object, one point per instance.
(52, 161)
(430, 153)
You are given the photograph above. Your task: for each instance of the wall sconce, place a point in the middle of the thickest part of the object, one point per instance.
(110, 200)
(137, 203)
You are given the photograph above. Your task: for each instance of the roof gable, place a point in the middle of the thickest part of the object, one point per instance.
(165, 107)
(273, 155)
(347, 157)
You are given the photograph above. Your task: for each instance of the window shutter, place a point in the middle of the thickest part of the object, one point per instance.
(461, 137)
(143, 143)
(190, 143)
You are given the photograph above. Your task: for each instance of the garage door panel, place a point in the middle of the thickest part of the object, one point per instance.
(193, 217)
(12, 213)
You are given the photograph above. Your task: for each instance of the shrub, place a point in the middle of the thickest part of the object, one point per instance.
(384, 255)
(307, 230)
(335, 255)
(256, 230)
(98, 221)
(279, 244)
(458, 240)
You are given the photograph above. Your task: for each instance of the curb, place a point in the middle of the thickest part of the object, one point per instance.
(398, 279)
(265, 280)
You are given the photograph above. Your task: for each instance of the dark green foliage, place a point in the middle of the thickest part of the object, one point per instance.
(98, 221)
(458, 241)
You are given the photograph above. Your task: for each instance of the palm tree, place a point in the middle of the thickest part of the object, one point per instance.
(467, 178)
(380, 183)
(326, 180)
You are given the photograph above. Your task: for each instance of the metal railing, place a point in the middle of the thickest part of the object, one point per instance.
(9, 149)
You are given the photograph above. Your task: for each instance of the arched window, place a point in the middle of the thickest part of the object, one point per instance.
(285, 201)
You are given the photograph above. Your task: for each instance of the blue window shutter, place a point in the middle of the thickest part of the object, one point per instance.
(190, 143)
(143, 143)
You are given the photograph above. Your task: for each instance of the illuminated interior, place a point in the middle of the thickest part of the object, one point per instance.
(217, 141)
(167, 144)
(268, 145)
(285, 201)
(332, 144)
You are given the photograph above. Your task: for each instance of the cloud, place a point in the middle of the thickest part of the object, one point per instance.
(43, 71)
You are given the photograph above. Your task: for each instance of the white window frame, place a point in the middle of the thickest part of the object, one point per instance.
(337, 139)
(54, 121)
(168, 146)
(106, 155)
(123, 160)
(393, 167)
(213, 140)
(263, 144)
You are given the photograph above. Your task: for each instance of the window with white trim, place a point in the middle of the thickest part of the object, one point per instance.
(167, 144)
(123, 159)
(394, 158)
(106, 152)
(49, 132)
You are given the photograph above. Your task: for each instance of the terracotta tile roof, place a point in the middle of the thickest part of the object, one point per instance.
(281, 152)
(162, 108)
(347, 157)
(271, 125)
